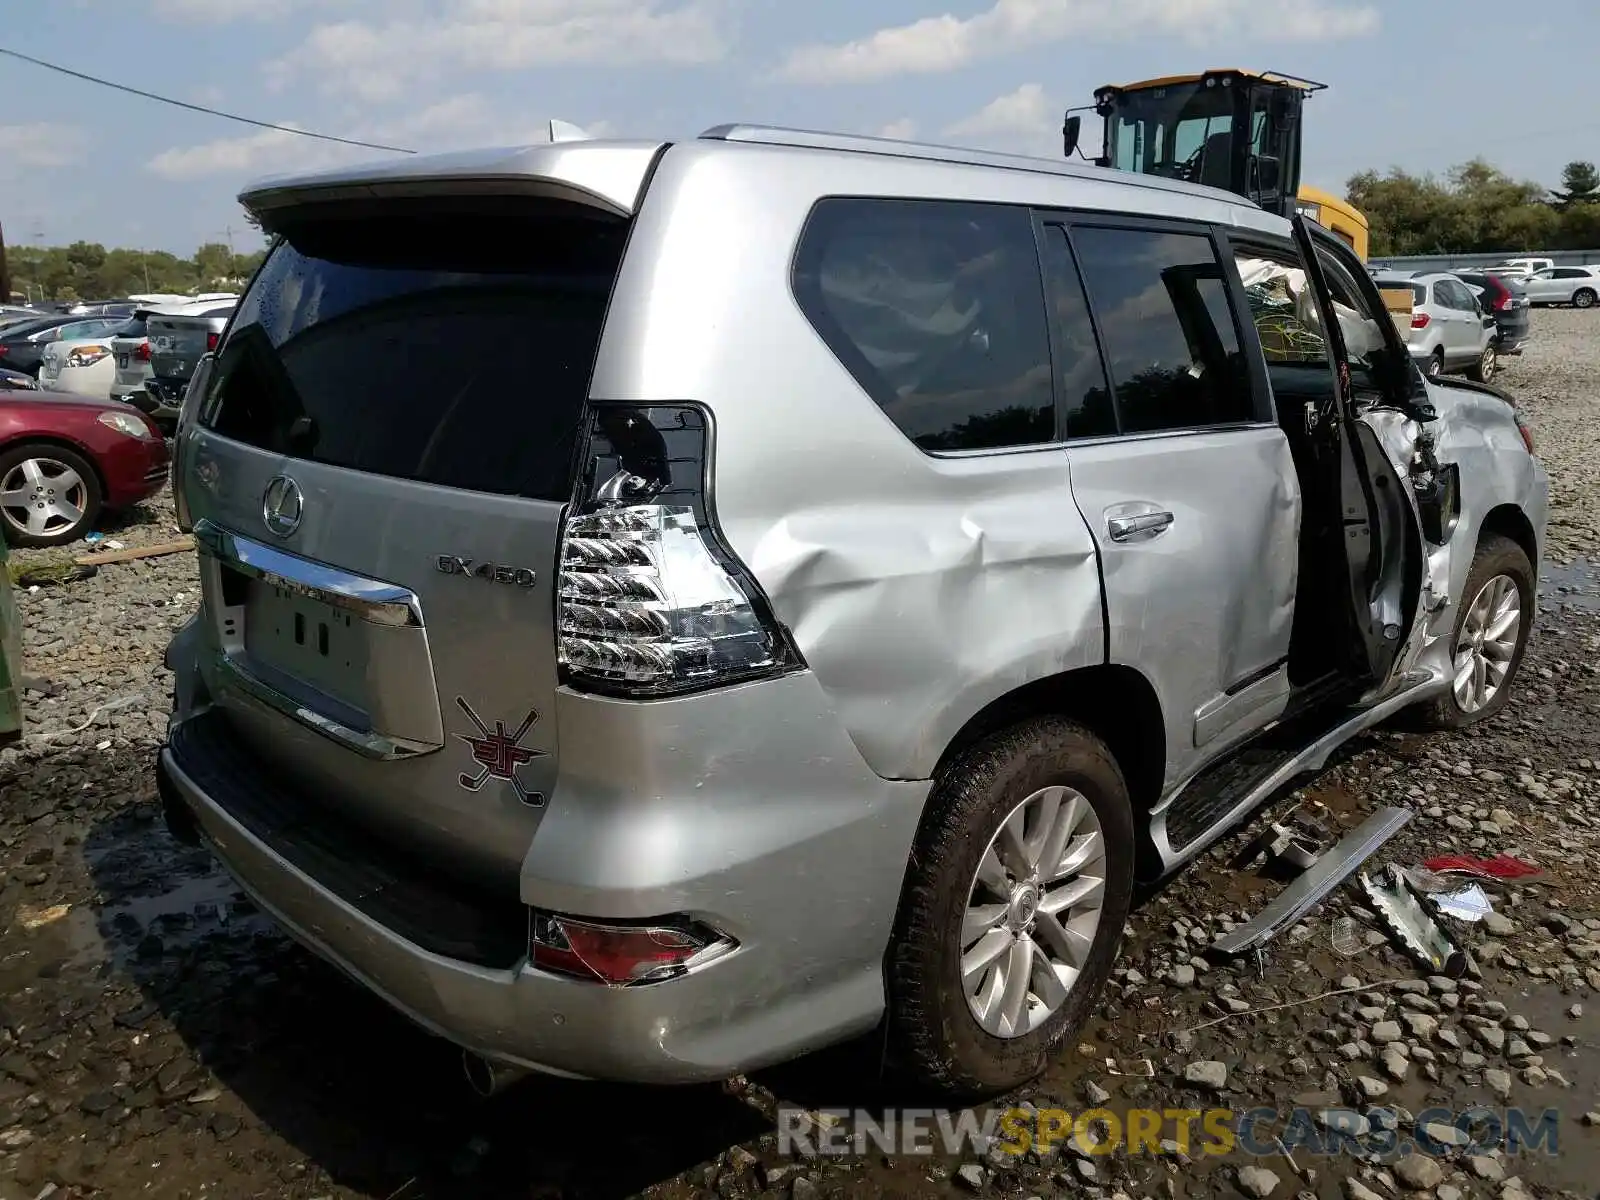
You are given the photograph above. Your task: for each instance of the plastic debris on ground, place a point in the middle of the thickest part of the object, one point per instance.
(1501, 866)
(1400, 909)
(1469, 904)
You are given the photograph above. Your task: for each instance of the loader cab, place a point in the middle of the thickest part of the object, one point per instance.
(1230, 129)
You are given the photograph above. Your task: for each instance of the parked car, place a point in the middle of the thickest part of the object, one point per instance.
(1528, 265)
(1577, 286)
(22, 345)
(11, 314)
(1506, 300)
(1019, 566)
(1449, 330)
(17, 381)
(81, 362)
(101, 308)
(64, 460)
(177, 339)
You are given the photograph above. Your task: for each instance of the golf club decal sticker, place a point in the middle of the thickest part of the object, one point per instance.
(499, 754)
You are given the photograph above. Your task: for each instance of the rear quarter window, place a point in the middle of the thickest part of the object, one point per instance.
(451, 347)
(937, 310)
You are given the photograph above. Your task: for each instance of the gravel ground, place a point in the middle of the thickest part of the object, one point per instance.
(159, 1038)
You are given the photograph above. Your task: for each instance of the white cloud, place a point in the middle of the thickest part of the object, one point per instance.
(43, 144)
(1024, 120)
(945, 42)
(218, 12)
(455, 123)
(382, 59)
(902, 130)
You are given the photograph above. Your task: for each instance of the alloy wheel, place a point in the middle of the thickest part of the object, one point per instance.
(1487, 643)
(41, 497)
(1033, 912)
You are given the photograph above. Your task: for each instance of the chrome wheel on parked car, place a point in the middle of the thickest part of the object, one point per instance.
(1487, 643)
(1033, 911)
(48, 495)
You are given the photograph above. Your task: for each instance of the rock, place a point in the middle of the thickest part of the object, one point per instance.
(1395, 1064)
(1095, 1094)
(1257, 1181)
(1419, 1172)
(1498, 1082)
(1575, 1012)
(1372, 1088)
(1354, 1189)
(1499, 925)
(1182, 975)
(1386, 1031)
(1485, 1167)
(972, 1177)
(1422, 1026)
(1209, 1074)
(1441, 1134)
(1493, 1037)
(804, 1189)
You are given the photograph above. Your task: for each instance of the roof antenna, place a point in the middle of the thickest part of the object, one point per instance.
(565, 131)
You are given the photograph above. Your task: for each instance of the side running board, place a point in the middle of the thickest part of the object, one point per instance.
(1312, 886)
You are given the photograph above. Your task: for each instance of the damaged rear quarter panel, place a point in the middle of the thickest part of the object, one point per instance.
(918, 588)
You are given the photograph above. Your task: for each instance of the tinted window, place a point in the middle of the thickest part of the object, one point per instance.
(449, 347)
(218, 312)
(1167, 327)
(1569, 273)
(937, 309)
(1080, 373)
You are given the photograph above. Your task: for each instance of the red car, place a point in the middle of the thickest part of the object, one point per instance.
(64, 460)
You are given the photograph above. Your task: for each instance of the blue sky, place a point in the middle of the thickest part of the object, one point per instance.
(1417, 84)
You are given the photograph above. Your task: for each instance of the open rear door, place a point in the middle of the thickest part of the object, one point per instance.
(1383, 548)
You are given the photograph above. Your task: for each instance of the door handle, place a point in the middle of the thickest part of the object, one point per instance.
(1141, 526)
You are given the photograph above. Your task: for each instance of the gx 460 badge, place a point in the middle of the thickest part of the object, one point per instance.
(450, 564)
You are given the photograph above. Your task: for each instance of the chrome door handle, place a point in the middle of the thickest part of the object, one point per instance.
(1123, 529)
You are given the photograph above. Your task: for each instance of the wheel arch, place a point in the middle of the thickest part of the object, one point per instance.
(1116, 703)
(1509, 521)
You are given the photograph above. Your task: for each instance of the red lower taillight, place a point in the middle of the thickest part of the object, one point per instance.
(211, 341)
(1419, 320)
(143, 352)
(1527, 434)
(622, 955)
(1502, 301)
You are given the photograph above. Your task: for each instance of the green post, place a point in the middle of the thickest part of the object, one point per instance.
(10, 656)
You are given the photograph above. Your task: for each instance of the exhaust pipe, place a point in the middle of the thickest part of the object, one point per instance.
(488, 1077)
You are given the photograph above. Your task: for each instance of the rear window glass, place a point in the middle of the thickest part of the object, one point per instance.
(447, 347)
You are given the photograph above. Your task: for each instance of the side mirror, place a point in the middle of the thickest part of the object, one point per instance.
(1070, 130)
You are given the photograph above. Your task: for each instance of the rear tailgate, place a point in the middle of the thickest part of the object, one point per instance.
(398, 399)
(176, 344)
(133, 362)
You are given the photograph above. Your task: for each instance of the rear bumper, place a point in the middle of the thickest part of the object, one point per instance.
(803, 868)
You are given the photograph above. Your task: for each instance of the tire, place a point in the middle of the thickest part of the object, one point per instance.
(938, 1038)
(1484, 369)
(61, 480)
(1583, 298)
(1436, 364)
(1497, 558)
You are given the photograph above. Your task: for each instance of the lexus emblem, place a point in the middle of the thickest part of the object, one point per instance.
(281, 505)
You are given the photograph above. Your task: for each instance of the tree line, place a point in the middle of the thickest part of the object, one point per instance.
(88, 271)
(1478, 208)
(1475, 208)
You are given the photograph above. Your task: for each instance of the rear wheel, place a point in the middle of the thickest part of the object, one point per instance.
(1436, 364)
(1486, 365)
(1014, 903)
(1491, 634)
(49, 495)
(1583, 298)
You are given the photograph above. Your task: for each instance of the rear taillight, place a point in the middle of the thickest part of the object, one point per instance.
(193, 395)
(211, 341)
(1527, 434)
(623, 955)
(4, 350)
(143, 352)
(1419, 320)
(650, 600)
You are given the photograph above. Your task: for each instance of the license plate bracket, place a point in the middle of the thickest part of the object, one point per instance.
(308, 640)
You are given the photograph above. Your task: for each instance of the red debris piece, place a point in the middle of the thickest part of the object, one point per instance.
(1501, 866)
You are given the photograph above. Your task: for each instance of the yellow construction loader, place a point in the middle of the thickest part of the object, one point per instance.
(1232, 129)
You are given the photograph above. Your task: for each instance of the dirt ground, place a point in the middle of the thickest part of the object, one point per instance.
(159, 1038)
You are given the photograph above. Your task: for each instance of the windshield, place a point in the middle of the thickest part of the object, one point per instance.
(1180, 132)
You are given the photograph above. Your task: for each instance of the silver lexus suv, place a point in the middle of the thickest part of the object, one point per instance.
(668, 608)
